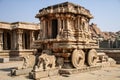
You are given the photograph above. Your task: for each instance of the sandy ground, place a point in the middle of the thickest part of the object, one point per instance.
(109, 73)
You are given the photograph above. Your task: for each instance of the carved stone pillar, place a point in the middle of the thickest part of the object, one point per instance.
(1, 40)
(80, 33)
(32, 38)
(60, 29)
(78, 23)
(65, 28)
(5, 41)
(40, 35)
(68, 26)
(65, 24)
(14, 39)
(19, 39)
(11, 41)
(43, 25)
(65, 31)
(116, 43)
(59, 25)
(69, 29)
(49, 29)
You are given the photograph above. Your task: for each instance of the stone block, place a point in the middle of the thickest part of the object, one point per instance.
(3, 60)
(53, 72)
(16, 59)
(43, 74)
(16, 72)
(40, 74)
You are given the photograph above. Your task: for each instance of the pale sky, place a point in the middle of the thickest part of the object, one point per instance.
(106, 12)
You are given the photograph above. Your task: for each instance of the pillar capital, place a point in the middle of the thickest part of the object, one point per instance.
(19, 31)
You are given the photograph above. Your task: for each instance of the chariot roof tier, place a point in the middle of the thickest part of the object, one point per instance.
(64, 8)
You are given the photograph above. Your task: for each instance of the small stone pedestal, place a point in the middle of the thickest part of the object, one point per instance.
(16, 72)
(42, 74)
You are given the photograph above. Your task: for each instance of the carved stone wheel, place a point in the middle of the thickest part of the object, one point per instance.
(92, 57)
(78, 58)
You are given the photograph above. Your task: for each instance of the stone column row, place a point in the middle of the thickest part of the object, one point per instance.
(16, 40)
(4, 44)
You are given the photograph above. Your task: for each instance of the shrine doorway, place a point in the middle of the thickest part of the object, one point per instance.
(54, 28)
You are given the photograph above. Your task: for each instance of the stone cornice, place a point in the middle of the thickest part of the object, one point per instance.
(19, 25)
(5, 25)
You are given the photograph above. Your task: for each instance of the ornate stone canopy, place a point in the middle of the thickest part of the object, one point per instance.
(65, 7)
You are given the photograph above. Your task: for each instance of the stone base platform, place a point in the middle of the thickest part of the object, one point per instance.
(4, 59)
(21, 52)
(16, 72)
(36, 75)
(19, 58)
(84, 69)
(112, 53)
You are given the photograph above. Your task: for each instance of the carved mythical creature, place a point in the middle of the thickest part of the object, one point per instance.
(29, 61)
(46, 61)
(25, 63)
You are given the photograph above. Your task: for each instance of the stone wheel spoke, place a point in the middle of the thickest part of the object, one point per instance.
(78, 58)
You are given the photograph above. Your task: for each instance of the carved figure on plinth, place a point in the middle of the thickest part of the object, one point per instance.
(45, 62)
(28, 61)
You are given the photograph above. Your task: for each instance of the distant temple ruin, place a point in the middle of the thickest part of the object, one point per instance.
(16, 38)
(105, 39)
